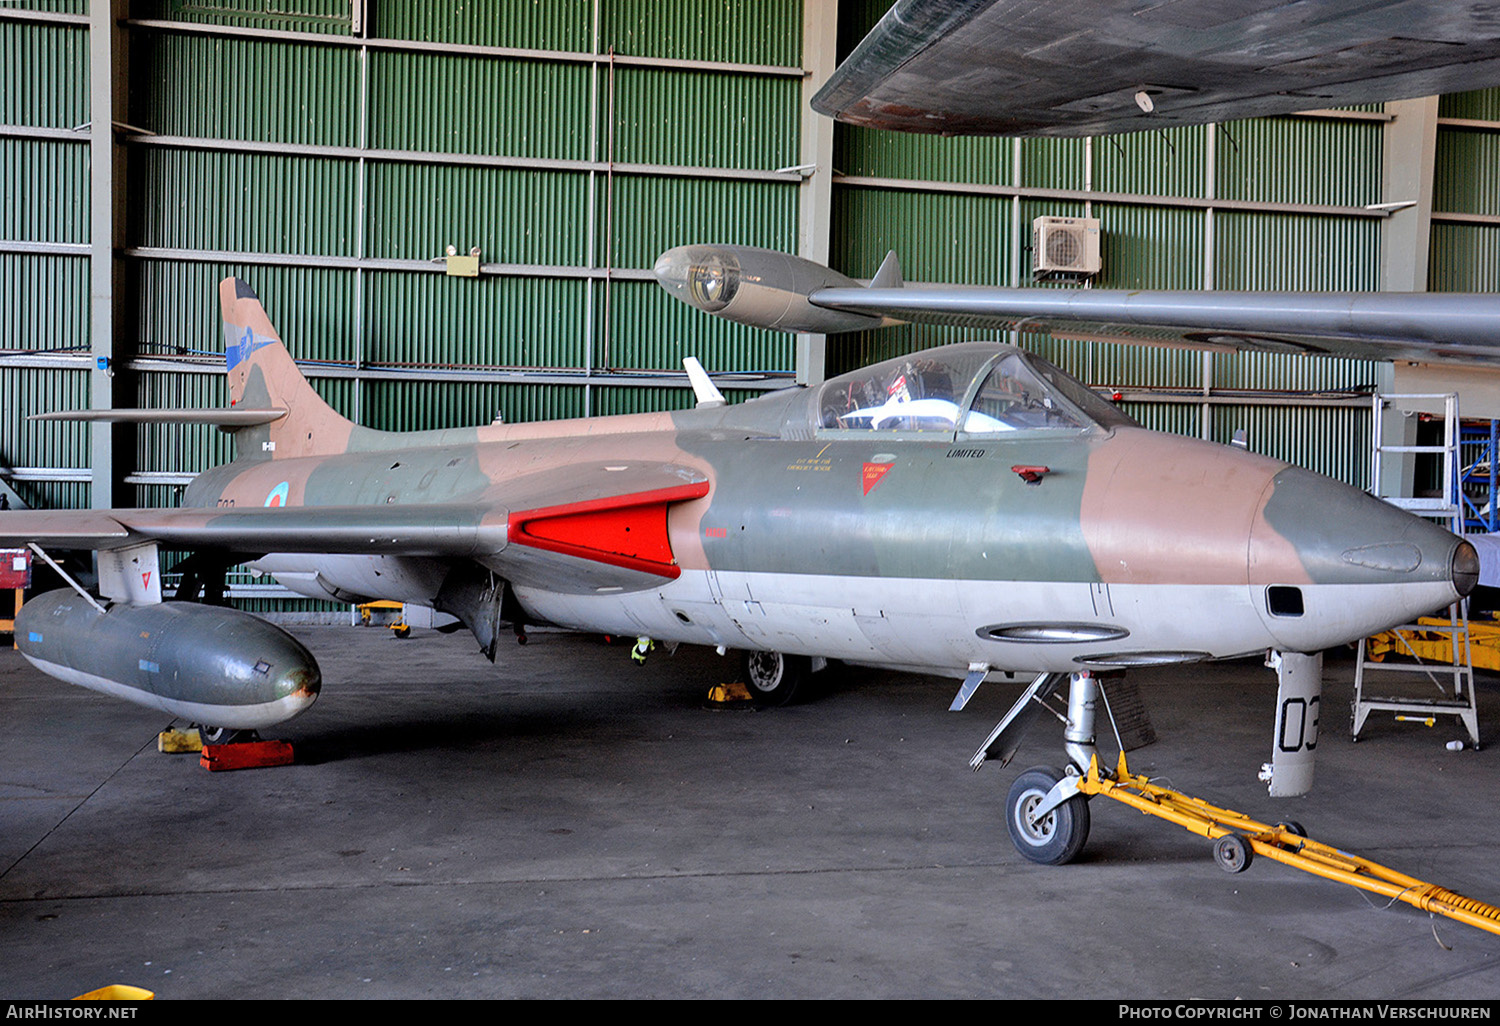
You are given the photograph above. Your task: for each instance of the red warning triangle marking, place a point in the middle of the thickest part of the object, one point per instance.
(873, 473)
(146, 578)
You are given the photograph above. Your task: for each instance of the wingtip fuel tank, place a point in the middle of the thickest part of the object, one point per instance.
(208, 664)
(758, 287)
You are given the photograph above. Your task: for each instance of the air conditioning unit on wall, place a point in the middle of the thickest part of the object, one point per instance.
(1064, 248)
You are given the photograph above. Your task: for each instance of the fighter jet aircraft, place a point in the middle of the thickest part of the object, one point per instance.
(960, 511)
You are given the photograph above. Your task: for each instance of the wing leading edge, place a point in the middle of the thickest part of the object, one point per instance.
(596, 525)
(447, 530)
(1416, 326)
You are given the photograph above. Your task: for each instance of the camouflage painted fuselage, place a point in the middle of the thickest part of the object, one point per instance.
(915, 546)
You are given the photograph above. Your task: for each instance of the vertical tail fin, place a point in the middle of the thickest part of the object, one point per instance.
(262, 375)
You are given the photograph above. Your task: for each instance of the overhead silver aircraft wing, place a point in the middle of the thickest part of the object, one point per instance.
(1093, 67)
(766, 289)
(1424, 327)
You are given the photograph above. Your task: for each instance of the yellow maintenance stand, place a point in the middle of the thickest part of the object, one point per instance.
(1431, 639)
(398, 626)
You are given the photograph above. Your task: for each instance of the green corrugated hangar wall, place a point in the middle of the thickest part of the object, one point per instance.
(328, 151)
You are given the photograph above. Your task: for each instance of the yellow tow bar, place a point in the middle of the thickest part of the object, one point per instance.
(1238, 836)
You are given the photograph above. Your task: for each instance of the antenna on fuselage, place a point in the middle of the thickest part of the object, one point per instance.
(708, 394)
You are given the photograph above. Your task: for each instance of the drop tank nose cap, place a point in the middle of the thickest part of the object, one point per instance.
(304, 682)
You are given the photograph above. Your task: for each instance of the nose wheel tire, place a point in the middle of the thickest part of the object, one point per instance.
(1058, 836)
(774, 678)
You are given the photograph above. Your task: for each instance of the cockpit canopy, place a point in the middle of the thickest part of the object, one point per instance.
(975, 389)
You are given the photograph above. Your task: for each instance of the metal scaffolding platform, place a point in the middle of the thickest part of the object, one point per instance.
(1451, 679)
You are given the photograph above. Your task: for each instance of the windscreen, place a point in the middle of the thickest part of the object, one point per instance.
(1026, 393)
(921, 392)
(1012, 398)
(927, 392)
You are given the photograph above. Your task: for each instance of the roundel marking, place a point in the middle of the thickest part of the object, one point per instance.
(277, 497)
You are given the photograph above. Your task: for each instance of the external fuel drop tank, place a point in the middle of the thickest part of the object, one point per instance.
(209, 664)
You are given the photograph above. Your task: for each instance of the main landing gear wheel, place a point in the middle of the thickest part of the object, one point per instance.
(225, 735)
(774, 678)
(1058, 836)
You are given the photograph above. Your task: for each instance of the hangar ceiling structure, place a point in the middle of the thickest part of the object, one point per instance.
(328, 151)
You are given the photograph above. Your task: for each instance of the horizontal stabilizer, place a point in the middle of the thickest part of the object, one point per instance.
(229, 419)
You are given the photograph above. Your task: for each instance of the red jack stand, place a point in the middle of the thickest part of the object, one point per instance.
(246, 755)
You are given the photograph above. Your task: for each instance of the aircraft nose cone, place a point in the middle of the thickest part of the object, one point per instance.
(1357, 564)
(671, 268)
(1340, 535)
(1465, 567)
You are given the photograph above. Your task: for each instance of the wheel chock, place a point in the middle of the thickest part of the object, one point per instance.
(179, 742)
(1238, 836)
(727, 694)
(246, 755)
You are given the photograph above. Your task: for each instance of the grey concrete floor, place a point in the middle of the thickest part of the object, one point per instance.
(564, 824)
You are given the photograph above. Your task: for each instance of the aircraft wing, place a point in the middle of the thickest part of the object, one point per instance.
(582, 527)
(785, 293)
(1023, 67)
(429, 530)
(1423, 327)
